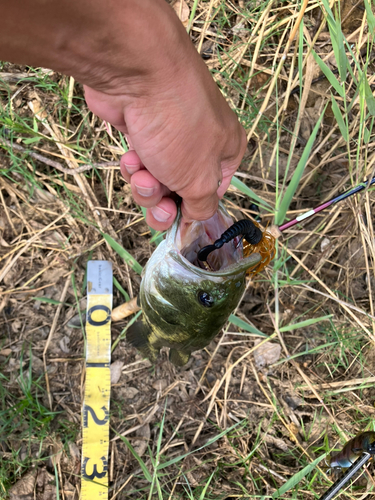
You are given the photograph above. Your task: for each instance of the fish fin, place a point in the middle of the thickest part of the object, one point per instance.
(138, 336)
(178, 358)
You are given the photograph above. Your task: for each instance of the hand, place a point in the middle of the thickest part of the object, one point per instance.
(184, 139)
(144, 76)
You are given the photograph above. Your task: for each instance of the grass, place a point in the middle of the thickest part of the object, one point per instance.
(219, 429)
(28, 424)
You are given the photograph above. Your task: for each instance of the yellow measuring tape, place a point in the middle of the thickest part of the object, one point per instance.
(95, 411)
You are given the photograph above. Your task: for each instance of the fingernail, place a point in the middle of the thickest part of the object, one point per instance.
(160, 214)
(144, 191)
(131, 168)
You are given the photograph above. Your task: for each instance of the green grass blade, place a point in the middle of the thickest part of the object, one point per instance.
(51, 301)
(337, 40)
(340, 53)
(250, 193)
(355, 62)
(370, 100)
(340, 121)
(370, 17)
(120, 289)
(158, 446)
(291, 189)
(302, 324)
(330, 17)
(31, 140)
(158, 237)
(56, 479)
(192, 14)
(124, 254)
(142, 465)
(208, 443)
(122, 334)
(328, 74)
(203, 494)
(308, 352)
(245, 326)
(297, 478)
(366, 135)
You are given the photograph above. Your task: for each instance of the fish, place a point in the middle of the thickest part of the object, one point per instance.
(353, 449)
(184, 304)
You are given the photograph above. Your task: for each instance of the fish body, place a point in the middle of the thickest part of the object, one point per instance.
(185, 306)
(353, 449)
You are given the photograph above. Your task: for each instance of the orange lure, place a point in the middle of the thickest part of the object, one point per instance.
(266, 249)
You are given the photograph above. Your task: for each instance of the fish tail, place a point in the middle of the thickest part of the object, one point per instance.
(138, 336)
(178, 358)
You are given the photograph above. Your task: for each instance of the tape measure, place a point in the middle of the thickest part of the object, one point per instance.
(95, 411)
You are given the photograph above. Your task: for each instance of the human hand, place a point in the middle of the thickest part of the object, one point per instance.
(183, 136)
(184, 139)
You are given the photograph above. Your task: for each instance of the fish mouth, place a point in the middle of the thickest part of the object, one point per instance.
(190, 237)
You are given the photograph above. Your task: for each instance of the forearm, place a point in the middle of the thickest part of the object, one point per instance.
(96, 41)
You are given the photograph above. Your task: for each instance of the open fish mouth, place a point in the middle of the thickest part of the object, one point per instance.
(190, 237)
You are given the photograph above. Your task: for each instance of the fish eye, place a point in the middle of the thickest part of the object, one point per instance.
(205, 299)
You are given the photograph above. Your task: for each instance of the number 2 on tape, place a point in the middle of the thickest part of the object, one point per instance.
(95, 411)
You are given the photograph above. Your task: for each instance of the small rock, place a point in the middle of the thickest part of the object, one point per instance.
(140, 445)
(116, 370)
(266, 354)
(64, 344)
(160, 385)
(324, 244)
(37, 365)
(129, 392)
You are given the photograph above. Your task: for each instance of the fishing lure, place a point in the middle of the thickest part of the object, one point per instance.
(254, 242)
(264, 243)
(245, 227)
(266, 248)
(364, 442)
(336, 487)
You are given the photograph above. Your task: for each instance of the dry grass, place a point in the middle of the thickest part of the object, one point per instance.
(231, 429)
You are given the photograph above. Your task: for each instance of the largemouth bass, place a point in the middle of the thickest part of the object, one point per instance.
(185, 306)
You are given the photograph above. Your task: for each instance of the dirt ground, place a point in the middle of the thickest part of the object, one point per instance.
(234, 425)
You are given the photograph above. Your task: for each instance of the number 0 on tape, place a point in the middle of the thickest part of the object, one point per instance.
(95, 412)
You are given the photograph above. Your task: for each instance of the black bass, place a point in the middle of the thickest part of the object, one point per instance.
(185, 306)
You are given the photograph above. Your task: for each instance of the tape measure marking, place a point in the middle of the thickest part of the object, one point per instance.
(95, 411)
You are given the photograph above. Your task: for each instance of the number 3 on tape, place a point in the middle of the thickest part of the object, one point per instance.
(95, 411)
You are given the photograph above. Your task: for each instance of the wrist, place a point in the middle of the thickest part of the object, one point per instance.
(133, 50)
(104, 44)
